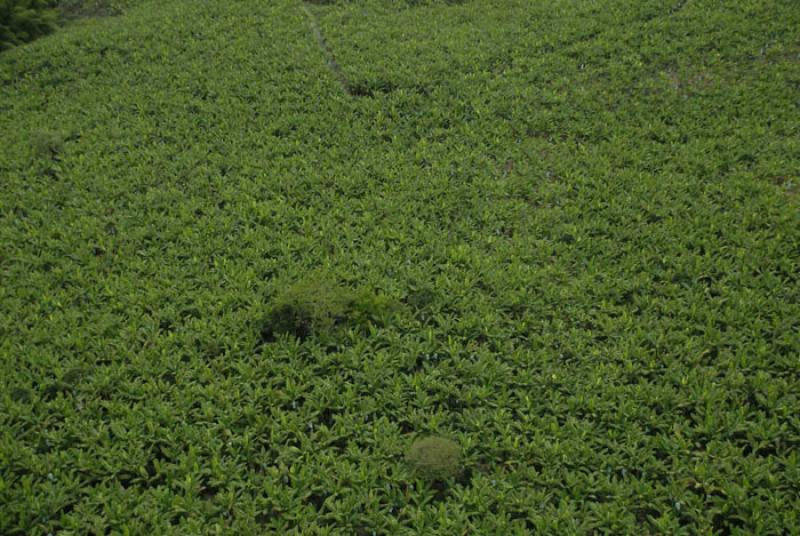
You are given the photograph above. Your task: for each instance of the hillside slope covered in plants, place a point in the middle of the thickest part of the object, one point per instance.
(250, 251)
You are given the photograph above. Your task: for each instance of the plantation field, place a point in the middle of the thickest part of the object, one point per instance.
(250, 251)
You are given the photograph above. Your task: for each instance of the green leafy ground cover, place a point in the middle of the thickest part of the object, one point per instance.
(584, 215)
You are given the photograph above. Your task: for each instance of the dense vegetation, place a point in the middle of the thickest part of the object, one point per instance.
(251, 253)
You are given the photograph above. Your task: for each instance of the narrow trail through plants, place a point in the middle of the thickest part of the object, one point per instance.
(323, 44)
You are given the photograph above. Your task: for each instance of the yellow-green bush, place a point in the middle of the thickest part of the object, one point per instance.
(435, 458)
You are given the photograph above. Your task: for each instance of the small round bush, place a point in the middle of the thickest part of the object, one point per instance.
(436, 458)
(47, 144)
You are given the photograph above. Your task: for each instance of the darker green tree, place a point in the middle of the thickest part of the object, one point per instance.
(24, 20)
